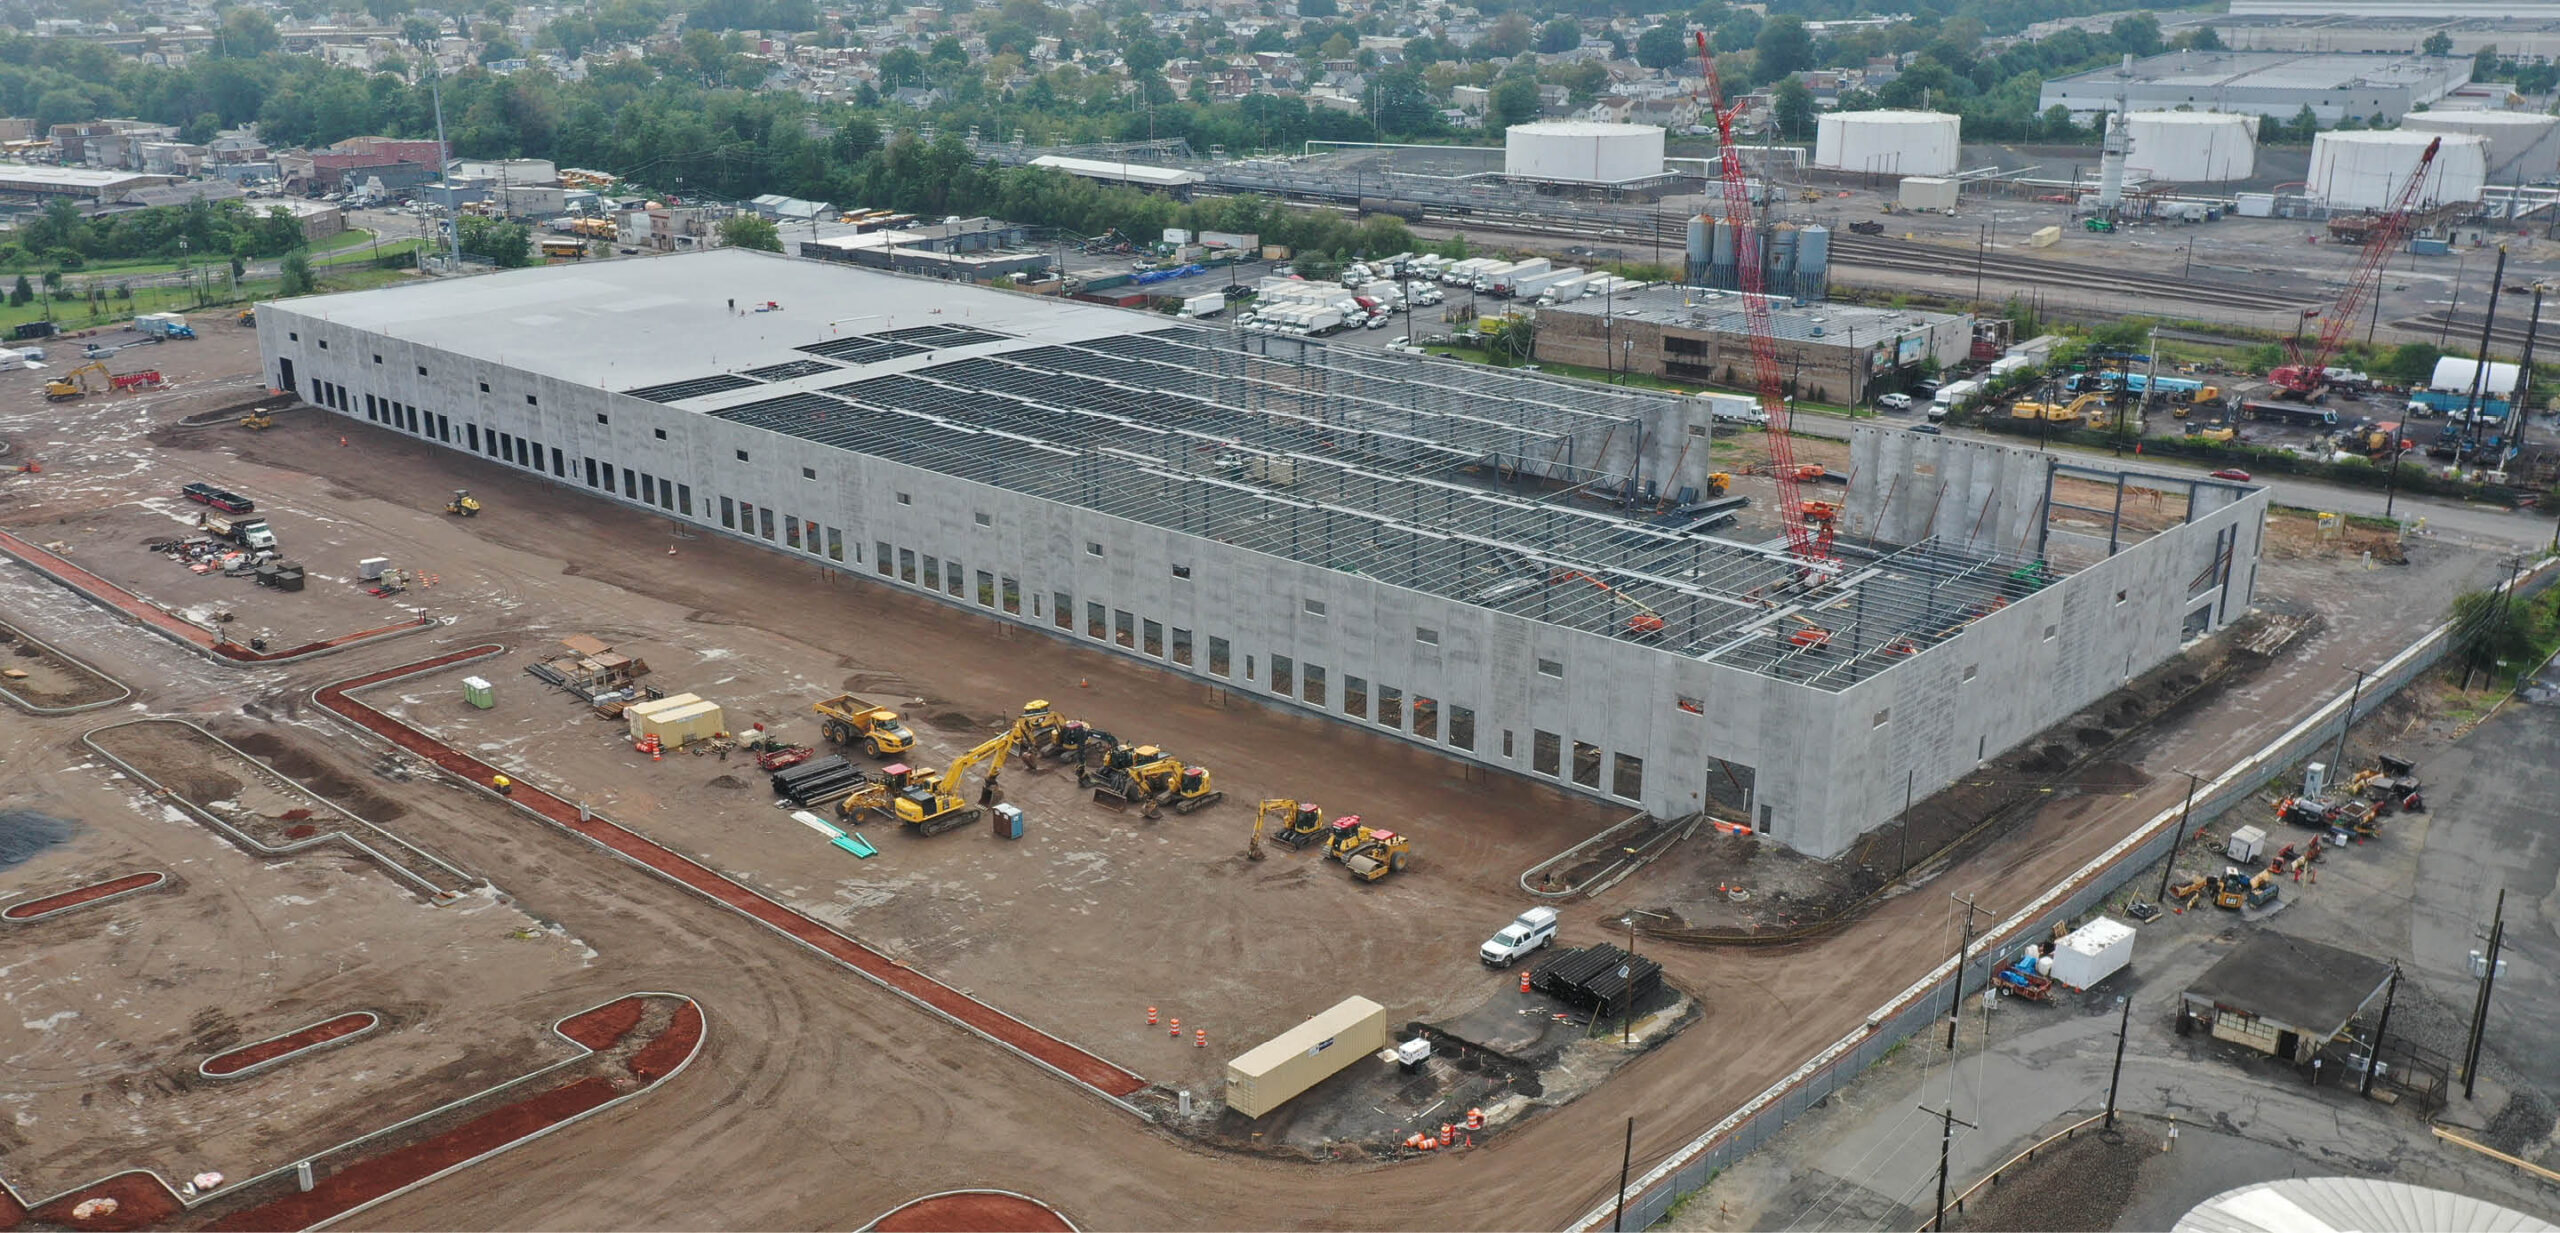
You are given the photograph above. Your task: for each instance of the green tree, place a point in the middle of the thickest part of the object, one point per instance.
(2485, 66)
(246, 32)
(382, 11)
(21, 294)
(2138, 34)
(1318, 8)
(2412, 363)
(1662, 46)
(2437, 44)
(1507, 37)
(1515, 101)
(1561, 35)
(751, 231)
(1792, 107)
(503, 244)
(1784, 46)
(419, 32)
(296, 272)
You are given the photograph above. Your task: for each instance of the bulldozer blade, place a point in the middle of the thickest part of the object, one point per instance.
(1110, 800)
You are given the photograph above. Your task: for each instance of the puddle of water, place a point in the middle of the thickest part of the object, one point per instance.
(24, 832)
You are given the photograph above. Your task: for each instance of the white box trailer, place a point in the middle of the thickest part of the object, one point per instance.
(1529, 286)
(1936, 194)
(2092, 953)
(1464, 272)
(1207, 305)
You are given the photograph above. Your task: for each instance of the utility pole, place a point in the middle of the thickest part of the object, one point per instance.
(1955, 990)
(2480, 1006)
(2338, 765)
(1626, 1163)
(2170, 866)
(2471, 405)
(1947, 1123)
(2124, 1027)
(1909, 778)
(2373, 1053)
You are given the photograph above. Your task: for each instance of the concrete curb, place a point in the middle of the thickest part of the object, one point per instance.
(373, 1022)
(84, 665)
(244, 839)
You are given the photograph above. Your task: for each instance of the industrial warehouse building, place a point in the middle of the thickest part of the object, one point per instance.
(2277, 85)
(1437, 551)
(1838, 353)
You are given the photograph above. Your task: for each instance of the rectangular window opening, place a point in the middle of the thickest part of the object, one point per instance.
(1151, 638)
(1426, 635)
(1391, 707)
(1062, 610)
(906, 565)
(1011, 590)
(1546, 753)
(986, 589)
(1315, 607)
(932, 573)
(1314, 682)
(1284, 674)
(1462, 727)
(1355, 696)
(1551, 667)
(1218, 663)
(1097, 621)
(880, 557)
(1426, 719)
(1627, 777)
(1182, 646)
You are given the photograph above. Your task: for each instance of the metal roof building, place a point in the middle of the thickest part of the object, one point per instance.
(2277, 85)
(1494, 564)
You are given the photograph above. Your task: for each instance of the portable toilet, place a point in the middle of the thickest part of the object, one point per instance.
(479, 693)
(2315, 778)
(1007, 821)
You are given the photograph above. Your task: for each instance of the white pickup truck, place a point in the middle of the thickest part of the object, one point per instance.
(1535, 928)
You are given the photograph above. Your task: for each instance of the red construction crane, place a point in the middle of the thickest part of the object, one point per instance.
(1801, 518)
(2301, 376)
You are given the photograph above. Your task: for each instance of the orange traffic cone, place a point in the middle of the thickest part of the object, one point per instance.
(1177, 1029)
(1151, 1016)
(1200, 1039)
(671, 550)
(1475, 1119)
(1524, 980)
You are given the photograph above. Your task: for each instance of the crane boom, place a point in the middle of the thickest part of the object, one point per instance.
(1801, 542)
(2302, 376)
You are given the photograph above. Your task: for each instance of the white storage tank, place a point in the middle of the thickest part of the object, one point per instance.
(2191, 147)
(2368, 171)
(2523, 147)
(2092, 953)
(1582, 152)
(1900, 143)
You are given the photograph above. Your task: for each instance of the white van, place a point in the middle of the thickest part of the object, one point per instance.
(1535, 928)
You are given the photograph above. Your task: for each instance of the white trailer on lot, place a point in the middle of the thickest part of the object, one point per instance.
(2092, 953)
(1270, 1074)
(1209, 304)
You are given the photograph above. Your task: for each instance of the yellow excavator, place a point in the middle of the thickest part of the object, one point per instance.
(73, 384)
(1300, 824)
(928, 800)
(463, 504)
(259, 419)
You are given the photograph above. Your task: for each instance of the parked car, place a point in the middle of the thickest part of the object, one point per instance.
(1928, 430)
(2231, 473)
(1896, 403)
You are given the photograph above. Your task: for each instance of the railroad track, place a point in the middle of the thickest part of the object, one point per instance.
(2507, 339)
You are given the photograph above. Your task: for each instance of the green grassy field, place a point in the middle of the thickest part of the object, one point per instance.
(213, 313)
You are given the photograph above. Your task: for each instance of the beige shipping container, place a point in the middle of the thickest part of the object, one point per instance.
(681, 726)
(1270, 1074)
(638, 711)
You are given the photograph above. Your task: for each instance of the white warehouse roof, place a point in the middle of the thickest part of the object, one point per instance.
(1128, 173)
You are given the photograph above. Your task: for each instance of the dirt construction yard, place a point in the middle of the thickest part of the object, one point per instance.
(820, 1098)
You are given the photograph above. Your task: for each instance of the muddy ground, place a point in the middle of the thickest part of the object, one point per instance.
(819, 1099)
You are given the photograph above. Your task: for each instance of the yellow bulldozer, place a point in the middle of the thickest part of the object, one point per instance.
(463, 504)
(1153, 784)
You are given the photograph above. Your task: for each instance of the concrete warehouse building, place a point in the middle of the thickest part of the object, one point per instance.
(1426, 549)
(1839, 353)
(2277, 85)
